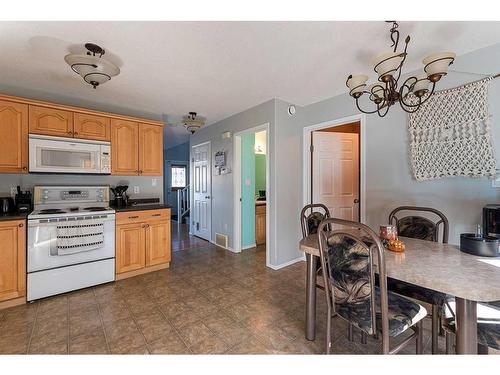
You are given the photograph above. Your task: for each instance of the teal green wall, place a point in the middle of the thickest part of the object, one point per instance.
(260, 173)
(247, 190)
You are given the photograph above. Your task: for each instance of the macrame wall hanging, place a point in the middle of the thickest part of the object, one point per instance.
(450, 134)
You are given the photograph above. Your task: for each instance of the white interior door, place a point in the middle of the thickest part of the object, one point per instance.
(336, 173)
(202, 207)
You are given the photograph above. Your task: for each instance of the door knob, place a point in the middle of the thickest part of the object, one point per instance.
(356, 200)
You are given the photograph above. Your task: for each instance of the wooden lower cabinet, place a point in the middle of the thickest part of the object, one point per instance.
(260, 224)
(158, 243)
(143, 242)
(130, 247)
(12, 260)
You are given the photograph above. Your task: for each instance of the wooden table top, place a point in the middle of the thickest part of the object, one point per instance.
(437, 266)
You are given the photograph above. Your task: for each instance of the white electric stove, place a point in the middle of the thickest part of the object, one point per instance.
(71, 239)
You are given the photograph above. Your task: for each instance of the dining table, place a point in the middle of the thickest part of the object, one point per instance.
(441, 267)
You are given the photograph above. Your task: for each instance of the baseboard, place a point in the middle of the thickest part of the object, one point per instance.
(12, 302)
(286, 264)
(222, 247)
(249, 246)
(125, 275)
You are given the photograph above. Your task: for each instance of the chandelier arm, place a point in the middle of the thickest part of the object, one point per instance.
(361, 110)
(420, 101)
(400, 68)
(386, 111)
(429, 94)
(411, 109)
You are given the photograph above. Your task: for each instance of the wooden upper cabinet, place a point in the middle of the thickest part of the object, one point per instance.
(150, 150)
(130, 246)
(50, 121)
(124, 147)
(91, 127)
(158, 246)
(12, 259)
(13, 137)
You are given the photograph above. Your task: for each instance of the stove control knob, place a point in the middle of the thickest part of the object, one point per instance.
(45, 197)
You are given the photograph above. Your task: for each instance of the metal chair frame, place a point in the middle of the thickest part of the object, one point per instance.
(376, 250)
(436, 309)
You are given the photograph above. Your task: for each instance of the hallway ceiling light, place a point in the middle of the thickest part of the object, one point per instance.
(413, 92)
(192, 123)
(92, 67)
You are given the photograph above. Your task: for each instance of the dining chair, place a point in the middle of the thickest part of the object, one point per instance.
(349, 254)
(423, 228)
(488, 326)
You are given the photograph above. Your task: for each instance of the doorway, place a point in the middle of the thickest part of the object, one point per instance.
(334, 167)
(251, 190)
(202, 191)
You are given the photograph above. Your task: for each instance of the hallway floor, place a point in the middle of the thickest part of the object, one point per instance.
(209, 301)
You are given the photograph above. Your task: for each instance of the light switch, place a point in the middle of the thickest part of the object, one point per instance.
(137, 190)
(247, 182)
(153, 182)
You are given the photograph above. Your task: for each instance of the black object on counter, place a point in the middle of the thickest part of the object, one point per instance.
(121, 197)
(23, 200)
(7, 205)
(483, 246)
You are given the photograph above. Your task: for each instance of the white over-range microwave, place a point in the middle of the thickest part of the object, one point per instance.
(68, 155)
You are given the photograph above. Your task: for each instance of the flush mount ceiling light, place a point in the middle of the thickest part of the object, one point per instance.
(92, 67)
(192, 123)
(411, 94)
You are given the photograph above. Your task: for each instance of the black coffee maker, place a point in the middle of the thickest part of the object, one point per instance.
(121, 198)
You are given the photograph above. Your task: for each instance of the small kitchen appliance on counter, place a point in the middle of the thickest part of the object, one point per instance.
(7, 205)
(480, 245)
(71, 239)
(23, 200)
(491, 220)
(121, 197)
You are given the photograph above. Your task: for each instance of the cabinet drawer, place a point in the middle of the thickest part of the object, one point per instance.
(145, 215)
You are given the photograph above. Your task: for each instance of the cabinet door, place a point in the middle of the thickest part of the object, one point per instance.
(158, 248)
(91, 127)
(12, 259)
(50, 121)
(13, 137)
(260, 228)
(124, 147)
(130, 247)
(150, 150)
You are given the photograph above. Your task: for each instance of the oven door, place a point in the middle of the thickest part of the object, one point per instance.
(42, 243)
(63, 155)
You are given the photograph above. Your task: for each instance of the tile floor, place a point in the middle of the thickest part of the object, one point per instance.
(209, 301)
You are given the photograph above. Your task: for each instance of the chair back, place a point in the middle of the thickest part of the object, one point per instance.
(349, 254)
(310, 221)
(422, 228)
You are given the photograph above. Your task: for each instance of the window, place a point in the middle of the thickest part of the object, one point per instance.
(178, 173)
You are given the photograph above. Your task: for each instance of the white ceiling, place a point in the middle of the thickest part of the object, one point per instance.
(217, 68)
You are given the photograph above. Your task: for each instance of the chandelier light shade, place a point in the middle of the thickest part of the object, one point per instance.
(192, 123)
(387, 91)
(92, 67)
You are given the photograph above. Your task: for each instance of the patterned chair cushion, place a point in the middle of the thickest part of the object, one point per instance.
(416, 292)
(403, 314)
(488, 323)
(350, 277)
(417, 227)
(313, 221)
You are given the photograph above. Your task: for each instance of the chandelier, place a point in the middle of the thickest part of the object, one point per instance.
(92, 67)
(192, 123)
(387, 91)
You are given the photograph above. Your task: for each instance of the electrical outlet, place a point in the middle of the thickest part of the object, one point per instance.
(137, 190)
(153, 182)
(13, 191)
(496, 182)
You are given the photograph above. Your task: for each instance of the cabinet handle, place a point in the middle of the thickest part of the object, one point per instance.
(21, 225)
(25, 168)
(156, 215)
(133, 217)
(70, 133)
(140, 171)
(75, 133)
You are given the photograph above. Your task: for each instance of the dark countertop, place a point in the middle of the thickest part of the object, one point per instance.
(14, 216)
(141, 207)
